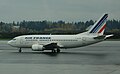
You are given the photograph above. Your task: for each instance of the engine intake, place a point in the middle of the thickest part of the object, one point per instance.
(37, 47)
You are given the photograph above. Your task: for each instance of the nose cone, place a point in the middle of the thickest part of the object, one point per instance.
(9, 42)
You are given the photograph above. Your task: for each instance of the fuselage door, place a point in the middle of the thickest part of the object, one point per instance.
(84, 40)
(22, 41)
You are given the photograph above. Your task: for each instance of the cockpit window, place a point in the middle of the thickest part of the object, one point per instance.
(13, 39)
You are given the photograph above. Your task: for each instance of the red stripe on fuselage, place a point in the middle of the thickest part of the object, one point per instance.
(102, 28)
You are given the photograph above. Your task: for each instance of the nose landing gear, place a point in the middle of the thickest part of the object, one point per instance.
(20, 50)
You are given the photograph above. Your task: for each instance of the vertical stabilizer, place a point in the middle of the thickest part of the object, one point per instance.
(99, 26)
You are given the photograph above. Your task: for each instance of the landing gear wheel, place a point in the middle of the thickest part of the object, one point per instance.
(53, 51)
(58, 50)
(20, 50)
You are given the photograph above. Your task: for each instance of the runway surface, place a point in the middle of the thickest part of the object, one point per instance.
(100, 58)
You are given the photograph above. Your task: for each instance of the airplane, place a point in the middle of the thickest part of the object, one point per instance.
(56, 42)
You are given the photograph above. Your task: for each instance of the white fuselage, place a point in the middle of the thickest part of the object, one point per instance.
(64, 41)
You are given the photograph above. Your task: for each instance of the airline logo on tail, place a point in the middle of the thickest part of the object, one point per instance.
(100, 25)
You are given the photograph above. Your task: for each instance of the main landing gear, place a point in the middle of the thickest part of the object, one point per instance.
(20, 50)
(58, 50)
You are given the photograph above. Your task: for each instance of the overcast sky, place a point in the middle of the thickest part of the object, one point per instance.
(54, 10)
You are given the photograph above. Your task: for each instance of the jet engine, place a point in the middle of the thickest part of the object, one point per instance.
(37, 47)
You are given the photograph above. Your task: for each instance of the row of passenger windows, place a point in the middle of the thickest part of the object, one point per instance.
(63, 40)
(51, 40)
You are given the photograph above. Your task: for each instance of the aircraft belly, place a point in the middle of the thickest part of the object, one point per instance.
(90, 41)
(71, 44)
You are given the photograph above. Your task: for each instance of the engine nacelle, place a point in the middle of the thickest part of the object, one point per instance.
(37, 47)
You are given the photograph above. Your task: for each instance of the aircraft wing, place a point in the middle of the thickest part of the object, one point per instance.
(52, 45)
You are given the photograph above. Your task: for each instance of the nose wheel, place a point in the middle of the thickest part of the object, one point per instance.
(20, 50)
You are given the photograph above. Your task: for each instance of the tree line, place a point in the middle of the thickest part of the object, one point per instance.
(10, 30)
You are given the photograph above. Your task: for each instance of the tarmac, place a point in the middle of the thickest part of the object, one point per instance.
(100, 58)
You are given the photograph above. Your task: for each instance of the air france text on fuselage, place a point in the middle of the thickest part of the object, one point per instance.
(37, 38)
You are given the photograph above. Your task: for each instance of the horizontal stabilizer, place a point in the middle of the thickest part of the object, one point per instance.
(100, 37)
(107, 36)
(103, 36)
